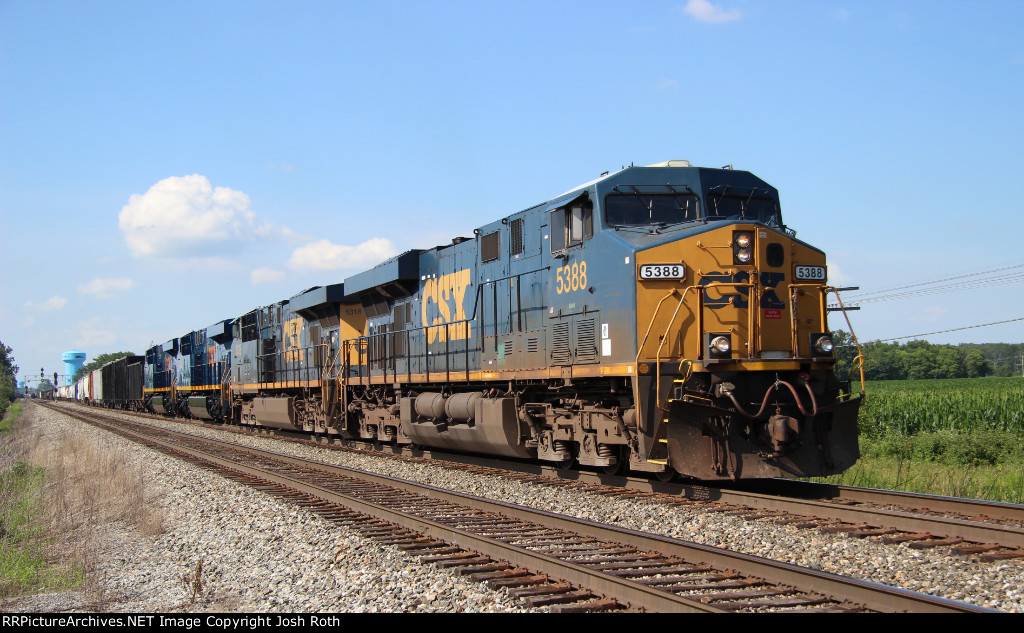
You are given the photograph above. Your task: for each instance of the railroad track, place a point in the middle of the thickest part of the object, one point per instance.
(544, 558)
(994, 531)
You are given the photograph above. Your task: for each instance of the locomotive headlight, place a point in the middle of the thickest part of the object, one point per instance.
(822, 344)
(742, 247)
(717, 347)
(720, 345)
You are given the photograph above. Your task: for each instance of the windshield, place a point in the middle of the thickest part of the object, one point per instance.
(645, 209)
(736, 204)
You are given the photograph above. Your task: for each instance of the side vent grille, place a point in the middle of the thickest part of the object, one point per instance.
(561, 352)
(516, 247)
(586, 341)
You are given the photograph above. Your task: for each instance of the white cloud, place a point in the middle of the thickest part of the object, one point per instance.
(55, 302)
(265, 276)
(836, 276)
(187, 212)
(667, 83)
(94, 332)
(95, 338)
(105, 288)
(704, 11)
(324, 255)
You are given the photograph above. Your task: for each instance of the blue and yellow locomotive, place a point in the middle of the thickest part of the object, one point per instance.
(660, 319)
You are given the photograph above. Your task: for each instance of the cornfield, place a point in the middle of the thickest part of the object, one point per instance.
(908, 407)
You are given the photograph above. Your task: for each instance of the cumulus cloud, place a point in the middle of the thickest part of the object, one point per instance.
(836, 276)
(265, 276)
(55, 302)
(95, 338)
(94, 332)
(105, 288)
(187, 212)
(323, 255)
(704, 11)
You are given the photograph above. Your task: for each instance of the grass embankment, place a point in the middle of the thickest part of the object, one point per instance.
(961, 437)
(55, 493)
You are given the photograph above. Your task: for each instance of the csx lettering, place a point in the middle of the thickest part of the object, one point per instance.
(738, 298)
(571, 277)
(443, 302)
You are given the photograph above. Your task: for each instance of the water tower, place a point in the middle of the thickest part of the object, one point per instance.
(73, 361)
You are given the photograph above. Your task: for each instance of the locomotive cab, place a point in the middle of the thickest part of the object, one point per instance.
(734, 354)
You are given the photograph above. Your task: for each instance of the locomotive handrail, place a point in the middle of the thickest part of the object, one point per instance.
(751, 321)
(291, 377)
(640, 348)
(477, 315)
(701, 288)
(859, 359)
(824, 290)
(794, 289)
(388, 358)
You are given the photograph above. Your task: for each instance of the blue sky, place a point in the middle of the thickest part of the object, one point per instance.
(167, 165)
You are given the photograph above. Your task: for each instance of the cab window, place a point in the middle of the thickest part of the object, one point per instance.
(571, 225)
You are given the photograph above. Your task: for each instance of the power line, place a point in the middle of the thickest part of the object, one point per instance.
(918, 291)
(969, 327)
(938, 281)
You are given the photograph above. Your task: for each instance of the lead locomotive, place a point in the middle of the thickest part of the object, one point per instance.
(661, 319)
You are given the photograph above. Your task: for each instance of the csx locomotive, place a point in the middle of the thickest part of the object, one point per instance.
(659, 319)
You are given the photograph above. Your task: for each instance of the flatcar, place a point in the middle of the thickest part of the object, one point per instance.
(660, 319)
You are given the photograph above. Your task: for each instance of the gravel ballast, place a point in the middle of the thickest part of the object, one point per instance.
(260, 554)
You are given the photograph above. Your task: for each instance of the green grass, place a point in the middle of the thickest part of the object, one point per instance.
(959, 437)
(24, 543)
(1002, 482)
(907, 407)
(13, 412)
(26, 560)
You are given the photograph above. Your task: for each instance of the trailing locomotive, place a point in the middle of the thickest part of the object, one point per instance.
(660, 319)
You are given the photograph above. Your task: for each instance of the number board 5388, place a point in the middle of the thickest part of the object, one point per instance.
(662, 271)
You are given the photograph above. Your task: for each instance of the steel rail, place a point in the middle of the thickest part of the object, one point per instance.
(842, 589)
(863, 504)
(973, 530)
(992, 510)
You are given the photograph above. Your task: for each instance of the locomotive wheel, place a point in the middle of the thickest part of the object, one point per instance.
(569, 463)
(618, 467)
(666, 476)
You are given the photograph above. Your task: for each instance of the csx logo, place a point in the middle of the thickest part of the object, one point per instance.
(737, 295)
(444, 302)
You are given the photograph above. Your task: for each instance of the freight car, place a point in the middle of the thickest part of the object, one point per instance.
(661, 319)
(122, 383)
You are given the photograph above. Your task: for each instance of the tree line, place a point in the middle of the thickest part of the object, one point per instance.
(98, 362)
(8, 382)
(915, 360)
